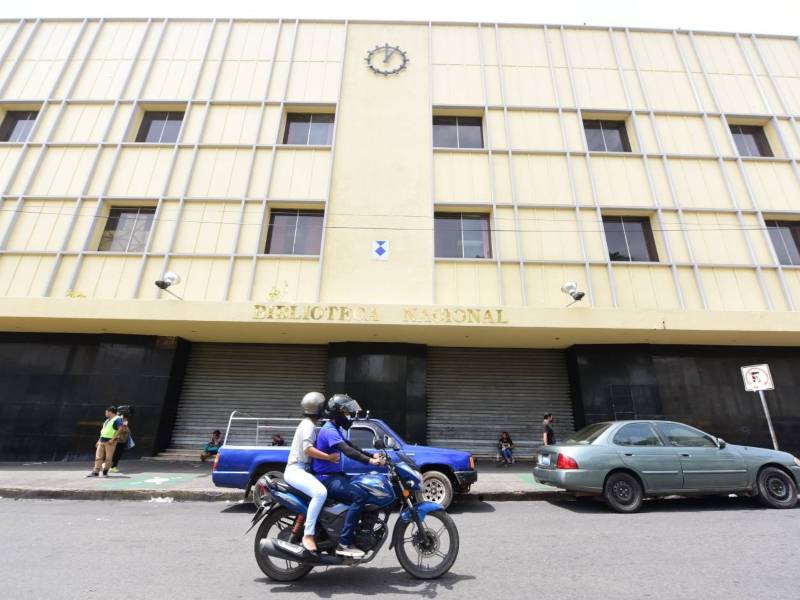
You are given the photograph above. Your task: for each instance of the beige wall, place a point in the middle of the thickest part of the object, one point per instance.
(381, 179)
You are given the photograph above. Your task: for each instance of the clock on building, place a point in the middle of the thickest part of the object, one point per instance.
(387, 59)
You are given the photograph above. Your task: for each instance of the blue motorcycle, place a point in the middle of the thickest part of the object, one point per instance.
(425, 538)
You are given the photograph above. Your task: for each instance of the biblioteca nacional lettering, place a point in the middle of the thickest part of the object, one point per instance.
(318, 312)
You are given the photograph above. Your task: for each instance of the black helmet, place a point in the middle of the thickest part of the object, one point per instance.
(341, 403)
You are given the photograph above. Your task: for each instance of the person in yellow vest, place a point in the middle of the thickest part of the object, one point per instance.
(109, 435)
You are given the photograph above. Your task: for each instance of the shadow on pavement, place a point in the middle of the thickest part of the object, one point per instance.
(589, 505)
(366, 581)
(470, 506)
(240, 508)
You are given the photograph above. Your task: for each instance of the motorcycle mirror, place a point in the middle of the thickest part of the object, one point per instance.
(390, 442)
(379, 445)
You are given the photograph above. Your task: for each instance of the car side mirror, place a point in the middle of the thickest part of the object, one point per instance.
(379, 445)
(390, 442)
(721, 443)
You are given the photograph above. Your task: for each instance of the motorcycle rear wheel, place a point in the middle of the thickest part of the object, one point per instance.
(432, 554)
(278, 525)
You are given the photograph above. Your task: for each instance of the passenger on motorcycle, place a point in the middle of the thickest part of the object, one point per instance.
(341, 409)
(297, 467)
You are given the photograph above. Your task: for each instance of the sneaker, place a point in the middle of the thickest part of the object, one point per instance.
(349, 551)
(93, 474)
(115, 469)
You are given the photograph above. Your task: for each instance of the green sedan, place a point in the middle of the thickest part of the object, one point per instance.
(627, 461)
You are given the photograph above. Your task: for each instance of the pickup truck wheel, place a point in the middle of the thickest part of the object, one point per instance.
(256, 495)
(437, 487)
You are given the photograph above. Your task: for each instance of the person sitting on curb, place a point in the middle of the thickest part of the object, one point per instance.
(105, 446)
(212, 447)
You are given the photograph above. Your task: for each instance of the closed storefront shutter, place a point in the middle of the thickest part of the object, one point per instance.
(476, 393)
(257, 379)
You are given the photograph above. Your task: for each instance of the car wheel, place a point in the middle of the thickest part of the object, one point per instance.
(776, 488)
(623, 492)
(437, 487)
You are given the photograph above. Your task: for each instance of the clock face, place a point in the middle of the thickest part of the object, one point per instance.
(387, 59)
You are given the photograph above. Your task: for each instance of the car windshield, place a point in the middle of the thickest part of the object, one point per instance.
(588, 434)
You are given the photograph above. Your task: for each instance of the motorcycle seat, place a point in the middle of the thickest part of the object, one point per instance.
(281, 486)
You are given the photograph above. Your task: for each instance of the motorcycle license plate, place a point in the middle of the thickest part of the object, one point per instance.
(544, 460)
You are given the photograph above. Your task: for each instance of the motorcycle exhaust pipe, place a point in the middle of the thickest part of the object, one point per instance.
(295, 553)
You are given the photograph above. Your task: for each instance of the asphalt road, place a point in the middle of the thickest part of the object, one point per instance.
(718, 548)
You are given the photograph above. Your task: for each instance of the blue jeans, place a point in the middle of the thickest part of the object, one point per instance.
(341, 490)
(507, 454)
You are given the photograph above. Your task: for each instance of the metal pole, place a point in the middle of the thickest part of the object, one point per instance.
(769, 419)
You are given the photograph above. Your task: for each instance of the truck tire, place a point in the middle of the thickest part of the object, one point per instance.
(255, 492)
(437, 487)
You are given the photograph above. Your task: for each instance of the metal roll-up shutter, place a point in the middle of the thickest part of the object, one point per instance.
(476, 393)
(257, 379)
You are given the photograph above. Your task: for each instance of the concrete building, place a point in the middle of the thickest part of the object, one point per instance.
(391, 210)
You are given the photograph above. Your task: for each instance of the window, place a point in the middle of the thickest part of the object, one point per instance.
(637, 434)
(308, 129)
(362, 437)
(17, 125)
(750, 140)
(457, 132)
(630, 239)
(127, 229)
(785, 237)
(160, 127)
(294, 232)
(686, 437)
(462, 235)
(589, 434)
(606, 136)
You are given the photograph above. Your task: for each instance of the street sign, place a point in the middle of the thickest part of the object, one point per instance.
(757, 378)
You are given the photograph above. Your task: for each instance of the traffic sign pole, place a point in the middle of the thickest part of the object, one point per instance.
(769, 419)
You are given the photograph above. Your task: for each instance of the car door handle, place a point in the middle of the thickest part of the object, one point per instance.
(685, 454)
(629, 454)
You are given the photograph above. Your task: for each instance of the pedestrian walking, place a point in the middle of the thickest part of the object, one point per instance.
(548, 435)
(107, 443)
(124, 438)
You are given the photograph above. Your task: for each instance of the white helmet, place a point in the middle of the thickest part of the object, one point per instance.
(313, 404)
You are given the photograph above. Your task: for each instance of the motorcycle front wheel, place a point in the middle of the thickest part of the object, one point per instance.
(428, 554)
(278, 525)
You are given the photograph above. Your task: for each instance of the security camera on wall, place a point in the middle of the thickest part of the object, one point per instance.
(570, 288)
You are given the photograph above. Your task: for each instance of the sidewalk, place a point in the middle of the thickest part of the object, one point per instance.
(191, 481)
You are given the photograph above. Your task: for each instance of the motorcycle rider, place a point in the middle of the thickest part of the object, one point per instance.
(341, 410)
(302, 451)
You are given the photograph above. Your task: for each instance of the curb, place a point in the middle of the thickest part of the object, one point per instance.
(175, 495)
(233, 496)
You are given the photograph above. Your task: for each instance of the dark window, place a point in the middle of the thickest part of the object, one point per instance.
(294, 232)
(589, 434)
(17, 125)
(750, 140)
(363, 438)
(683, 436)
(637, 434)
(160, 127)
(630, 239)
(127, 229)
(462, 235)
(457, 132)
(785, 237)
(606, 136)
(308, 129)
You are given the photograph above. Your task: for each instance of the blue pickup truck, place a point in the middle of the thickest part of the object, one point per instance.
(446, 472)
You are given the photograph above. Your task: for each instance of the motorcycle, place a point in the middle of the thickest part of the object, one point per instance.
(424, 538)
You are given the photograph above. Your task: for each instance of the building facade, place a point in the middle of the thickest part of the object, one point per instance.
(391, 209)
